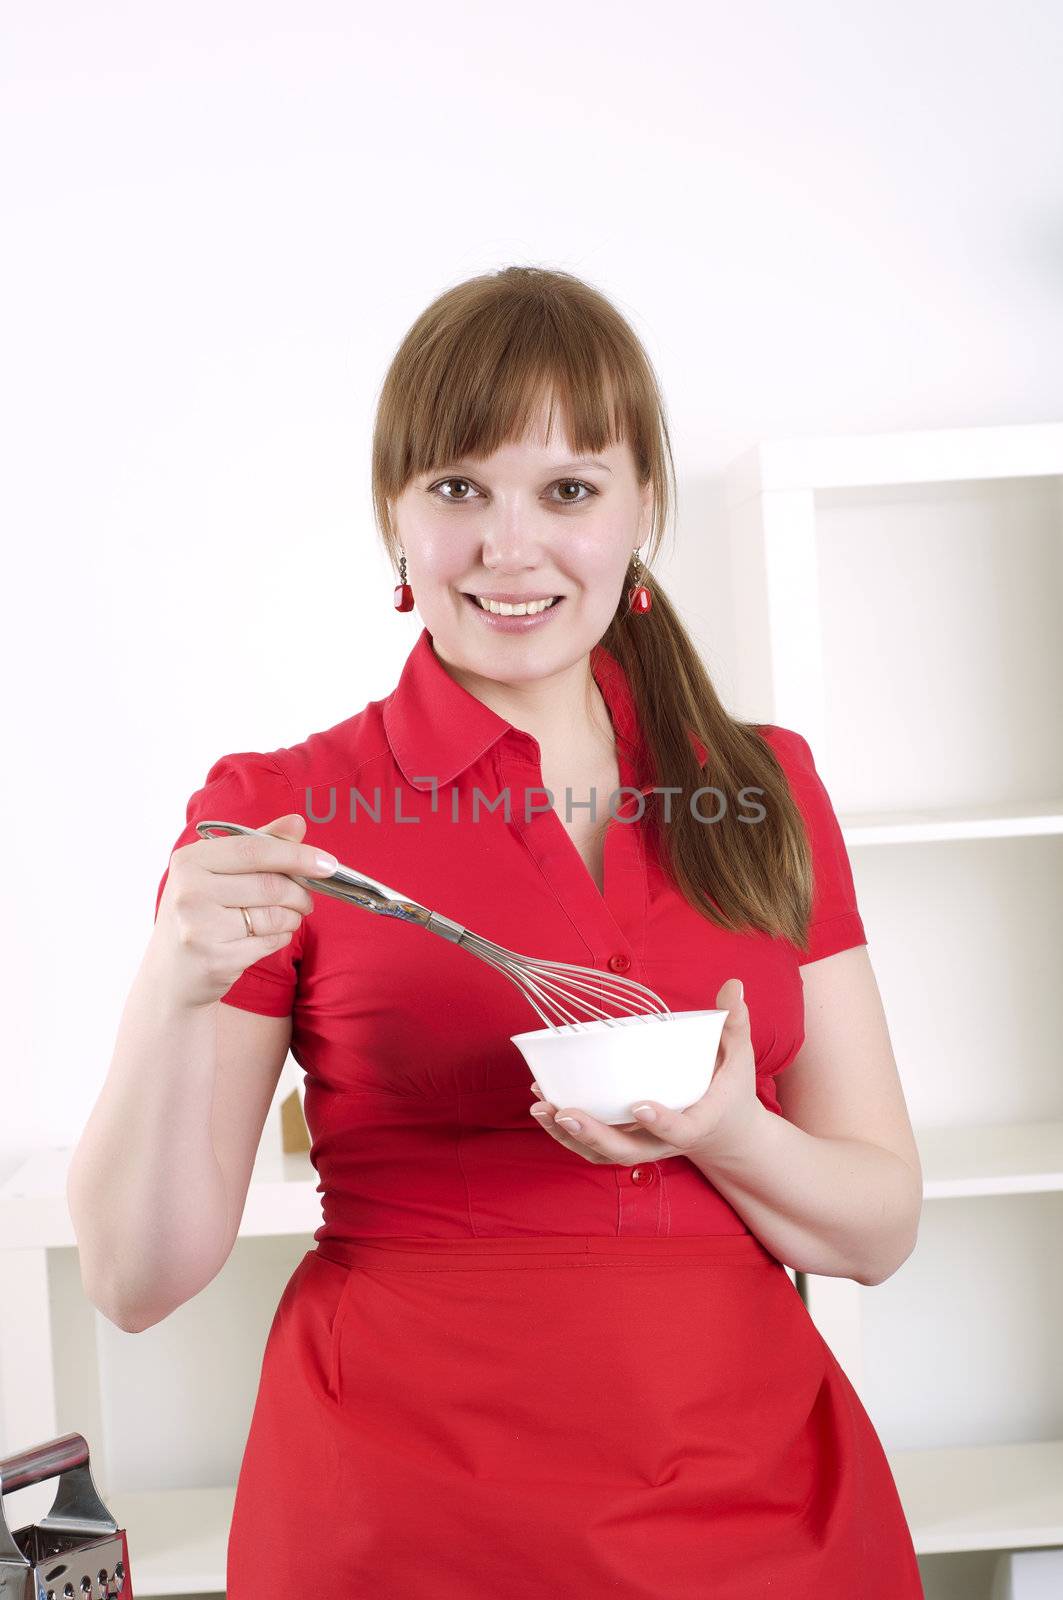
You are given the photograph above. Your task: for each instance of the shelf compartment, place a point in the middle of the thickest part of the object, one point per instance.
(1023, 819)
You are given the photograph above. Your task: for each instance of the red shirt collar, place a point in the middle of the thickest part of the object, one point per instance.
(437, 729)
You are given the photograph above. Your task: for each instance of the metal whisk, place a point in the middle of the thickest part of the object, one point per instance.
(558, 991)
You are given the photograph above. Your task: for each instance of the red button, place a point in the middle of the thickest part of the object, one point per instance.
(642, 1174)
(620, 962)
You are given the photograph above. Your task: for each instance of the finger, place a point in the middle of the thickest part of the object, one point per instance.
(545, 1103)
(681, 1129)
(291, 826)
(264, 920)
(262, 852)
(731, 998)
(735, 1030)
(546, 1116)
(608, 1142)
(544, 1112)
(263, 889)
(629, 1145)
(570, 1141)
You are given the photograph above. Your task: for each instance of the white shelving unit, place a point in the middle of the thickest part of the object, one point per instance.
(57, 1352)
(897, 602)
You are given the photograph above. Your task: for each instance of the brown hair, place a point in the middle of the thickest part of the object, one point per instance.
(470, 375)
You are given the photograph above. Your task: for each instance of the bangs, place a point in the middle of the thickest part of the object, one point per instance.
(512, 356)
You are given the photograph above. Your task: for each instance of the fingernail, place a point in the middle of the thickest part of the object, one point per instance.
(326, 862)
(644, 1113)
(568, 1122)
(538, 1111)
(741, 990)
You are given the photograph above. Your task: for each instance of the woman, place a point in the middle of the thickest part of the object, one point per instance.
(532, 1354)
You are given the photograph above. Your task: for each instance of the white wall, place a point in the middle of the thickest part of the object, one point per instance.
(219, 221)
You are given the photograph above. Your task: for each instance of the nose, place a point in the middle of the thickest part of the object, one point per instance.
(509, 545)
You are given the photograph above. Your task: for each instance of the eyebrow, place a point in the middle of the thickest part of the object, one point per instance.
(561, 466)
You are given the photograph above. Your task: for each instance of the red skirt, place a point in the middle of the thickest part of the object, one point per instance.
(639, 1418)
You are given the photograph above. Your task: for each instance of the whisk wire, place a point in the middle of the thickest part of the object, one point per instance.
(562, 986)
(558, 991)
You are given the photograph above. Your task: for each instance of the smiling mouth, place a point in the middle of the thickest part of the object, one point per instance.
(502, 608)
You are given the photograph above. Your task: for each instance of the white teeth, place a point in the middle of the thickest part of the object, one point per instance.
(502, 608)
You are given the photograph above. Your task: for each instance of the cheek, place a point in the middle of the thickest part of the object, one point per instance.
(592, 552)
(598, 558)
(440, 555)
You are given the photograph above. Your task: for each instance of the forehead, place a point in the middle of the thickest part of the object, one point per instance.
(521, 457)
(543, 448)
(535, 451)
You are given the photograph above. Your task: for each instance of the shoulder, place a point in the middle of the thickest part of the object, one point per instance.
(254, 786)
(794, 755)
(790, 748)
(835, 922)
(326, 757)
(784, 739)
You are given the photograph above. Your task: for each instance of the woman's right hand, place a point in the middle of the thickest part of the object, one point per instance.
(200, 936)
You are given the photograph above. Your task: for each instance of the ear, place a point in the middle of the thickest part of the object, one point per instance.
(646, 511)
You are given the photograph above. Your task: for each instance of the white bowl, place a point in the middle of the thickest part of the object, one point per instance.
(605, 1068)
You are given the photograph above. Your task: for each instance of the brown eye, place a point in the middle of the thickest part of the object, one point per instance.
(459, 498)
(568, 483)
(577, 483)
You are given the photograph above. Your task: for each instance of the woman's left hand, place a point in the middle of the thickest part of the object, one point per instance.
(726, 1108)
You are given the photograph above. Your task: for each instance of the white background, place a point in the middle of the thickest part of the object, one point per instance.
(219, 221)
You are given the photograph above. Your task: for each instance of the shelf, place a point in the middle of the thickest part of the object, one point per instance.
(177, 1538)
(984, 1497)
(1015, 1158)
(877, 460)
(282, 1198)
(895, 600)
(973, 822)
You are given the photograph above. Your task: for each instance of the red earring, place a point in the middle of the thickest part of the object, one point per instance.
(639, 597)
(403, 592)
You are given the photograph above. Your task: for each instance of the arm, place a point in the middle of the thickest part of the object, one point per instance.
(144, 1190)
(157, 1183)
(158, 1180)
(834, 1186)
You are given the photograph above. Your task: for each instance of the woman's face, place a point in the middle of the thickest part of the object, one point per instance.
(533, 521)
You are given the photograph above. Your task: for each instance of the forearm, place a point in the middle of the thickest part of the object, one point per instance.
(145, 1192)
(838, 1207)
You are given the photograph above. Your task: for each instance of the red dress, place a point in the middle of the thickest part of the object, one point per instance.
(503, 1370)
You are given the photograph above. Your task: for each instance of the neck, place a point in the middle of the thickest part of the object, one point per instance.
(565, 713)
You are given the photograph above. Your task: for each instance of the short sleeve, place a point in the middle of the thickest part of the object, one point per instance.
(250, 788)
(835, 923)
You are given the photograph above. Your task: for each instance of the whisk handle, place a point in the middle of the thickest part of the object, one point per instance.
(358, 889)
(446, 927)
(344, 884)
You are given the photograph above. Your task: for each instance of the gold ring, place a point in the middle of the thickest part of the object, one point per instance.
(247, 920)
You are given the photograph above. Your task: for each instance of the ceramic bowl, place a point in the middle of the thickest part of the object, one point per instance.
(605, 1068)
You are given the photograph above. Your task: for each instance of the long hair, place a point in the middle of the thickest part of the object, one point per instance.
(470, 375)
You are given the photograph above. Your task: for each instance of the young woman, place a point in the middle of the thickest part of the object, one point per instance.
(529, 1354)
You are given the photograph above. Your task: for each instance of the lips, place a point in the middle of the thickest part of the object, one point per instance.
(510, 622)
(512, 599)
(474, 600)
